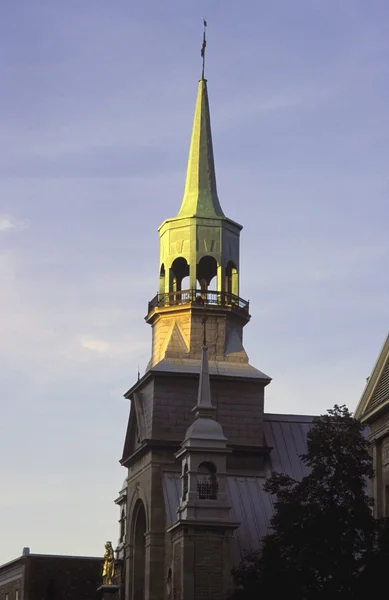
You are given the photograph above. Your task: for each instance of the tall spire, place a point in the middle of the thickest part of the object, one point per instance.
(204, 393)
(200, 196)
(205, 427)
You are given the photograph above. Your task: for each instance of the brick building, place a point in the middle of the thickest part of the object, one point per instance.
(199, 449)
(50, 577)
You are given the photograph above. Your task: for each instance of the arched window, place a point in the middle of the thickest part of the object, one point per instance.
(207, 485)
(122, 524)
(185, 481)
(139, 551)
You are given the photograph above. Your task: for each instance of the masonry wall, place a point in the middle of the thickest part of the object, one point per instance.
(145, 485)
(178, 333)
(40, 577)
(201, 563)
(54, 578)
(239, 408)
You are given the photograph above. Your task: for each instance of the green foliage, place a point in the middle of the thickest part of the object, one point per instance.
(322, 532)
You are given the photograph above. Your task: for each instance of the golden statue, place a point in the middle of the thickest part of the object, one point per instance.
(109, 564)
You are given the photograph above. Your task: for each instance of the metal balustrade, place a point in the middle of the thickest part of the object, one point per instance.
(200, 297)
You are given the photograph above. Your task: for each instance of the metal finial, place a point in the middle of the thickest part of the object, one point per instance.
(203, 48)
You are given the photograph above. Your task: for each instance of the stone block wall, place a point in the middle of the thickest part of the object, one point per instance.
(145, 485)
(239, 408)
(178, 332)
(201, 562)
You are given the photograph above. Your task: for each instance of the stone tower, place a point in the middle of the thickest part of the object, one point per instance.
(170, 458)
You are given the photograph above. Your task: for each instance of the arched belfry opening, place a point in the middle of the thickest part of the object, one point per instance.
(231, 279)
(207, 485)
(139, 552)
(178, 271)
(206, 271)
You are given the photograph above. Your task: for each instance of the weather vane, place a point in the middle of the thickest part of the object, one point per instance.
(203, 48)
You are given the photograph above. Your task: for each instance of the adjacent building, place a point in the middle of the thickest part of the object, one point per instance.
(373, 409)
(50, 577)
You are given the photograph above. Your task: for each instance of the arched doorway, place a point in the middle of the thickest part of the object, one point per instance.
(139, 551)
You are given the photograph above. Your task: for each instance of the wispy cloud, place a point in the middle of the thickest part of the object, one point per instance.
(8, 223)
(94, 344)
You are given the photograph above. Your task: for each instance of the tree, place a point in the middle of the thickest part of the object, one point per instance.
(374, 576)
(322, 531)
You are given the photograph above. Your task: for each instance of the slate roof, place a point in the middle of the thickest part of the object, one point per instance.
(251, 505)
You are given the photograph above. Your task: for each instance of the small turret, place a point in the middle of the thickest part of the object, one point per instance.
(203, 457)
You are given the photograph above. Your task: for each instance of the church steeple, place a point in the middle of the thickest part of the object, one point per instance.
(199, 262)
(179, 535)
(200, 196)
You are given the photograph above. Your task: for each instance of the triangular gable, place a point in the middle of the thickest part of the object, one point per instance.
(234, 348)
(376, 393)
(135, 429)
(140, 417)
(176, 343)
(129, 441)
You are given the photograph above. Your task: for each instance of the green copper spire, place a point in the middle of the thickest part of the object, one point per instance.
(200, 196)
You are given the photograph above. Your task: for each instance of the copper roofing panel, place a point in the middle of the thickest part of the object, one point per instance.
(287, 435)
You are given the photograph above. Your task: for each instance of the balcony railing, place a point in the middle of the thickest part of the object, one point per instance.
(199, 297)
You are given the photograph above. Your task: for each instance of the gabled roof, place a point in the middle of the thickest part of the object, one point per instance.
(375, 397)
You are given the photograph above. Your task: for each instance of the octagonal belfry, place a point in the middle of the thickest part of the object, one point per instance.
(199, 264)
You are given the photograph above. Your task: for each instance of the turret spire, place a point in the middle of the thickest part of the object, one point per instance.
(200, 196)
(204, 394)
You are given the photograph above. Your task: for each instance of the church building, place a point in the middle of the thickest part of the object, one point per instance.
(199, 445)
(373, 410)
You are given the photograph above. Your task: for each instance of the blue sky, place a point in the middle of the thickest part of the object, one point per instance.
(97, 99)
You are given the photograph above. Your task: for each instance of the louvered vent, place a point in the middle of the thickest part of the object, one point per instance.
(382, 391)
